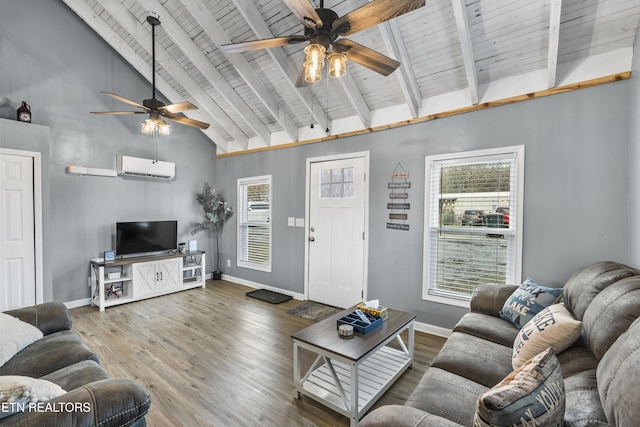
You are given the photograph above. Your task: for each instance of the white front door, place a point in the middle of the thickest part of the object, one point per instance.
(17, 235)
(336, 231)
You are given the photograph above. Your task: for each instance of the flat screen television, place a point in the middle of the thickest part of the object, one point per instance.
(146, 236)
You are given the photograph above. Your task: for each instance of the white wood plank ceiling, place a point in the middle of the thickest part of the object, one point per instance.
(454, 53)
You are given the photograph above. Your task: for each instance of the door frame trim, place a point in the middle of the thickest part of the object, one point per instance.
(37, 215)
(307, 203)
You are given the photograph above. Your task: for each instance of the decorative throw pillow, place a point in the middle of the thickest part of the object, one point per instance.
(14, 336)
(527, 301)
(531, 395)
(552, 327)
(18, 392)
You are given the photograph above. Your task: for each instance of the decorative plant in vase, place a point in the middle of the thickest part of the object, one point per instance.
(216, 213)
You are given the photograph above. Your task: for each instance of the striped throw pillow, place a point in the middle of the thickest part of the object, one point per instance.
(14, 336)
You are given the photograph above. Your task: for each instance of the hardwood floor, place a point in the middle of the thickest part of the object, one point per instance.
(215, 357)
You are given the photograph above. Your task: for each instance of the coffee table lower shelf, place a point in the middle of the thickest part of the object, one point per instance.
(375, 376)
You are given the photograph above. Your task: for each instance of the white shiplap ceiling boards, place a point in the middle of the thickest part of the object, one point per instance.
(454, 54)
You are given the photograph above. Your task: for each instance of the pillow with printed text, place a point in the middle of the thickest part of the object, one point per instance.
(553, 327)
(528, 300)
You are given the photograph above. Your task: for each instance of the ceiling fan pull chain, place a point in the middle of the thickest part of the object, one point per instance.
(311, 109)
(327, 91)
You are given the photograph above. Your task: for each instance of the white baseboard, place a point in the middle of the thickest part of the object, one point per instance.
(438, 331)
(78, 303)
(256, 285)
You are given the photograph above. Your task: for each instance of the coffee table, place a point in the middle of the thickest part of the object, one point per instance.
(356, 371)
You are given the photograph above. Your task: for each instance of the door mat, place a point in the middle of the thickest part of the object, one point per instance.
(314, 311)
(269, 296)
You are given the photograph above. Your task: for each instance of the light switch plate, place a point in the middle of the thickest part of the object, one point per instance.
(299, 222)
(291, 221)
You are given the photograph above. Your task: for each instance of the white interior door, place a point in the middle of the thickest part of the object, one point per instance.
(336, 231)
(17, 234)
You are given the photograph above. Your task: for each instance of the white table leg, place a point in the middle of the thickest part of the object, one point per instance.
(354, 395)
(411, 342)
(296, 371)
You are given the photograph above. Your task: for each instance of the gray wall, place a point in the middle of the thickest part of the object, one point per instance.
(52, 60)
(576, 185)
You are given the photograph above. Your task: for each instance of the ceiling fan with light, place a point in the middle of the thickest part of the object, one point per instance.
(322, 29)
(156, 109)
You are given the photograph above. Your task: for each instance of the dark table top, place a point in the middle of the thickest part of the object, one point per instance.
(324, 334)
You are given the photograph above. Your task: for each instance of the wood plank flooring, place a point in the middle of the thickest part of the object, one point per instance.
(215, 357)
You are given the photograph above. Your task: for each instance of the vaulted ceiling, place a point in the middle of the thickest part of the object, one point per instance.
(453, 54)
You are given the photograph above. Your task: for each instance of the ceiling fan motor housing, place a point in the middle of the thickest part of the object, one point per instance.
(325, 35)
(152, 103)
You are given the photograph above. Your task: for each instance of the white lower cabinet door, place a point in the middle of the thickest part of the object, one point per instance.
(144, 279)
(169, 273)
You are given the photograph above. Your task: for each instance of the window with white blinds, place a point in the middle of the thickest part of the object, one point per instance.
(254, 222)
(473, 222)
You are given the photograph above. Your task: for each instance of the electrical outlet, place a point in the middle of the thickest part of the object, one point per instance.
(228, 263)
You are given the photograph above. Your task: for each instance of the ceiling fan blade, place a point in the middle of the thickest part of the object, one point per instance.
(301, 82)
(186, 121)
(179, 107)
(125, 100)
(367, 57)
(118, 112)
(374, 13)
(305, 12)
(262, 44)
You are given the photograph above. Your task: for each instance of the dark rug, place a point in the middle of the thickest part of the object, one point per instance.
(269, 296)
(314, 311)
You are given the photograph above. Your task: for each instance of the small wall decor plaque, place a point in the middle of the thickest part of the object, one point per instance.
(399, 195)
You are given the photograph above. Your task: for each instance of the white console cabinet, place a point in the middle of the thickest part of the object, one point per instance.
(153, 277)
(131, 279)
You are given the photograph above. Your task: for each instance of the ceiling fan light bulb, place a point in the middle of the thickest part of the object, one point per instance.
(312, 74)
(149, 126)
(337, 64)
(164, 128)
(314, 56)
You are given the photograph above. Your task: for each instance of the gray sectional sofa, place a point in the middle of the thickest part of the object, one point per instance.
(92, 398)
(601, 370)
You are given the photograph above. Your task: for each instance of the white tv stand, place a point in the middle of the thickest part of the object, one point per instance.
(132, 279)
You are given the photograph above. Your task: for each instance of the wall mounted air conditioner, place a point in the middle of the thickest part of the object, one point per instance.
(144, 168)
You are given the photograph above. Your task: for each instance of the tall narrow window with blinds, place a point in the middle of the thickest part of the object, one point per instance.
(473, 222)
(254, 223)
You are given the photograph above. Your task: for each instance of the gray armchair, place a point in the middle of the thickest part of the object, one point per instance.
(92, 397)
